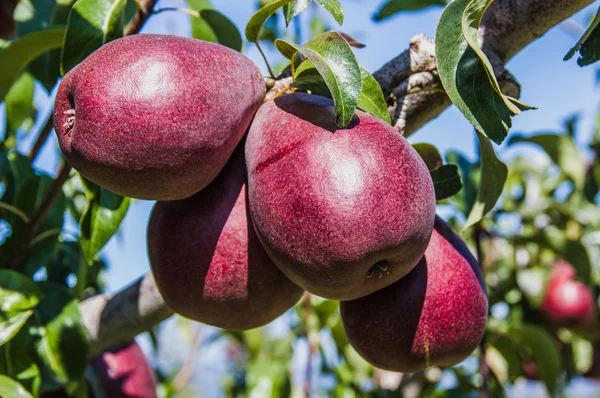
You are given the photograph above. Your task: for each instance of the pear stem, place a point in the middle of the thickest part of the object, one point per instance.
(266, 60)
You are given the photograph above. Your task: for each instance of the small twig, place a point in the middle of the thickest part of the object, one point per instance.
(16, 211)
(313, 344)
(41, 138)
(483, 365)
(183, 377)
(38, 215)
(140, 17)
(188, 11)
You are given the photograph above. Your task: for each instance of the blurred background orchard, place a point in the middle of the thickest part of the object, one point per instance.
(548, 211)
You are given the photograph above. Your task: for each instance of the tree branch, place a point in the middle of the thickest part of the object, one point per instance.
(140, 17)
(111, 320)
(507, 27)
(411, 83)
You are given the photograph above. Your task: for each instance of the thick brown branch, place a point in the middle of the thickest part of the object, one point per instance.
(508, 26)
(112, 320)
(41, 138)
(140, 17)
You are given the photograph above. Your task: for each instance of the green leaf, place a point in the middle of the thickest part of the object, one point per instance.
(562, 151)
(28, 196)
(430, 155)
(446, 181)
(471, 20)
(371, 98)
(334, 60)
(491, 182)
(313, 84)
(91, 24)
(14, 170)
(294, 8)
(201, 30)
(465, 199)
(466, 79)
(46, 67)
(588, 47)
(11, 324)
(510, 351)
(19, 105)
(59, 342)
(225, 31)
(334, 7)
(15, 362)
(544, 352)
(583, 354)
(17, 292)
(101, 218)
(10, 388)
(20, 52)
(259, 18)
(392, 7)
(532, 281)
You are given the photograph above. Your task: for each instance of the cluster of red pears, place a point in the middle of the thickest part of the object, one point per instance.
(260, 201)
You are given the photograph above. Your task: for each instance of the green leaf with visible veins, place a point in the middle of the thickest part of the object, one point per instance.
(20, 52)
(392, 7)
(589, 44)
(333, 58)
(101, 218)
(491, 182)
(10, 388)
(471, 20)
(91, 24)
(464, 75)
(371, 97)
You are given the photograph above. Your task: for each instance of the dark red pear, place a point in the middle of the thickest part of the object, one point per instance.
(208, 262)
(567, 302)
(156, 116)
(120, 372)
(343, 212)
(124, 372)
(434, 316)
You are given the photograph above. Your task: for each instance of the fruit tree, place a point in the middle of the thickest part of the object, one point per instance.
(302, 235)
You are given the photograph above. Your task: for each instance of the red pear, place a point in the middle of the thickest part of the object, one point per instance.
(343, 212)
(567, 302)
(123, 372)
(156, 116)
(208, 262)
(434, 316)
